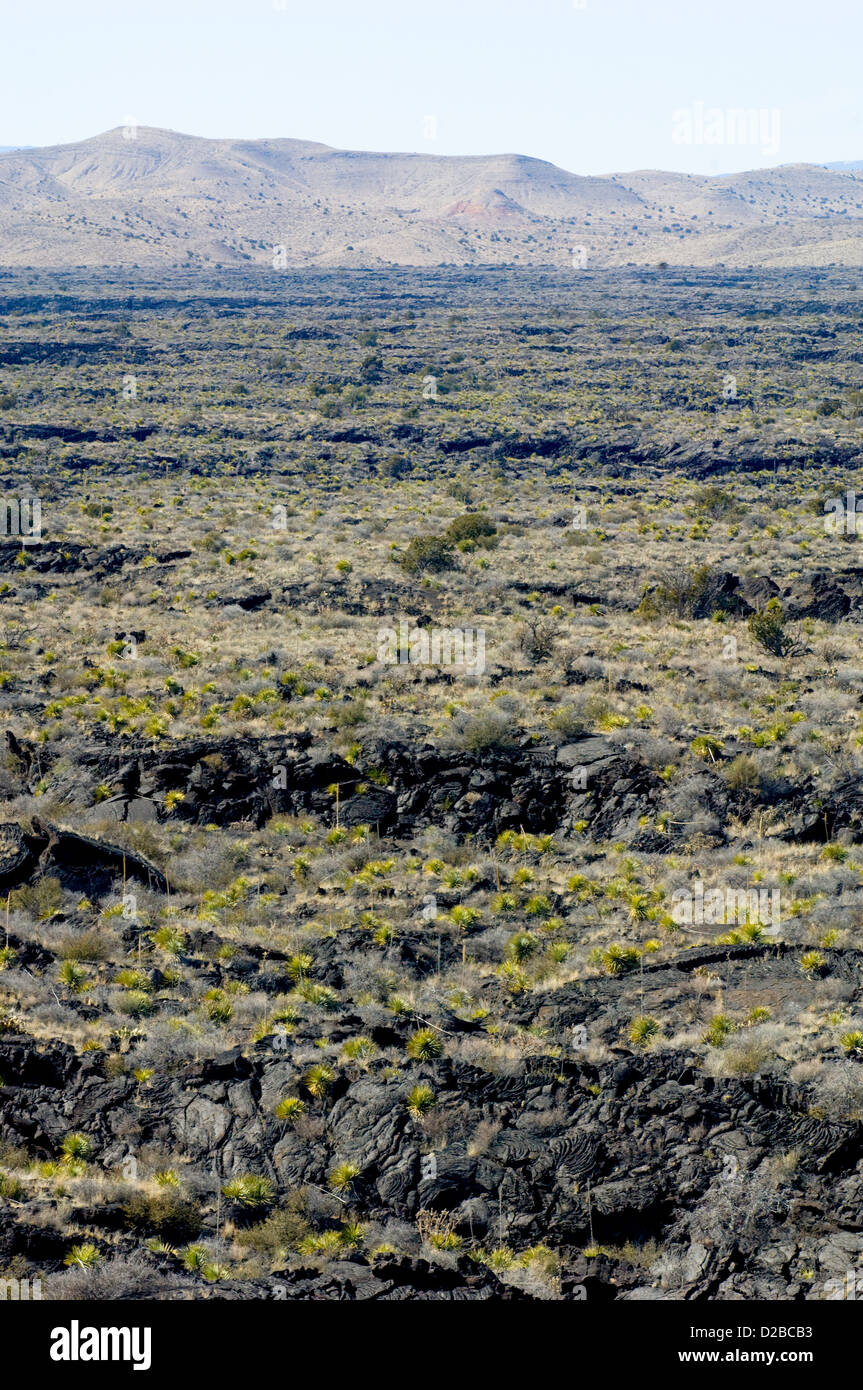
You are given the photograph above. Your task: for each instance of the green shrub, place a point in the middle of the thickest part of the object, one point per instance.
(472, 527)
(741, 774)
(167, 1215)
(427, 553)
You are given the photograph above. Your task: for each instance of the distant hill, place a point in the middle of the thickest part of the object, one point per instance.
(163, 198)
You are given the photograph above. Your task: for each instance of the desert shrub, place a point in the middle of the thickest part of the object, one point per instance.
(349, 714)
(437, 1228)
(568, 720)
(40, 899)
(680, 591)
(427, 553)
(741, 774)
(483, 731)
(712, 500)
(768, 629)
(746, 1057)
(166, 1214)
(537, 638)
(280, 1233)
(471, 529)
(396, 467)
(89, 945)
(112, 1281)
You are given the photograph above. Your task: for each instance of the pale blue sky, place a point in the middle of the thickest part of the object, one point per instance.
(593, 89)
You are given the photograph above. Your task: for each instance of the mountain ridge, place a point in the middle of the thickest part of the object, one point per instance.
(147, 196)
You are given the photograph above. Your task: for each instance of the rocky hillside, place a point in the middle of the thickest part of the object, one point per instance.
(137, 196)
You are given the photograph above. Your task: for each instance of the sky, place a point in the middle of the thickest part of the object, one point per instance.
(595, 86)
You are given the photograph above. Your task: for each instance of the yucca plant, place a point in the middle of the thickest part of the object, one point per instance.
(157, 1246)
(424, 1045)
(217, 1008)
(351, 1235)
(514, 977)
(360, 1049)
(541, 1258)
(133, 979)
(718, 1030)
(639, 907)
(251, 1191)
(169, 940)
(342, 1176)
(464, 916)
(321, 996)
(445, 1240)
(318, 1079)
(86, 1256)
(420, 1101)
(812, 962)
(521, 946)
(322, 1243)
(284, 1011)
(137, 1003)
(642, 1030)
(290, 1109)
(299, 966)
(76, 1148)
(617, 959)
(501, 1258)
(194, 1258)
(73, 976)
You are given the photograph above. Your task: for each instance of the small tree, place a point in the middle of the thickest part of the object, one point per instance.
(767, 626)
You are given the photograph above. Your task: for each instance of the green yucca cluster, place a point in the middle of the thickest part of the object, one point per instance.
(251, 1191)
